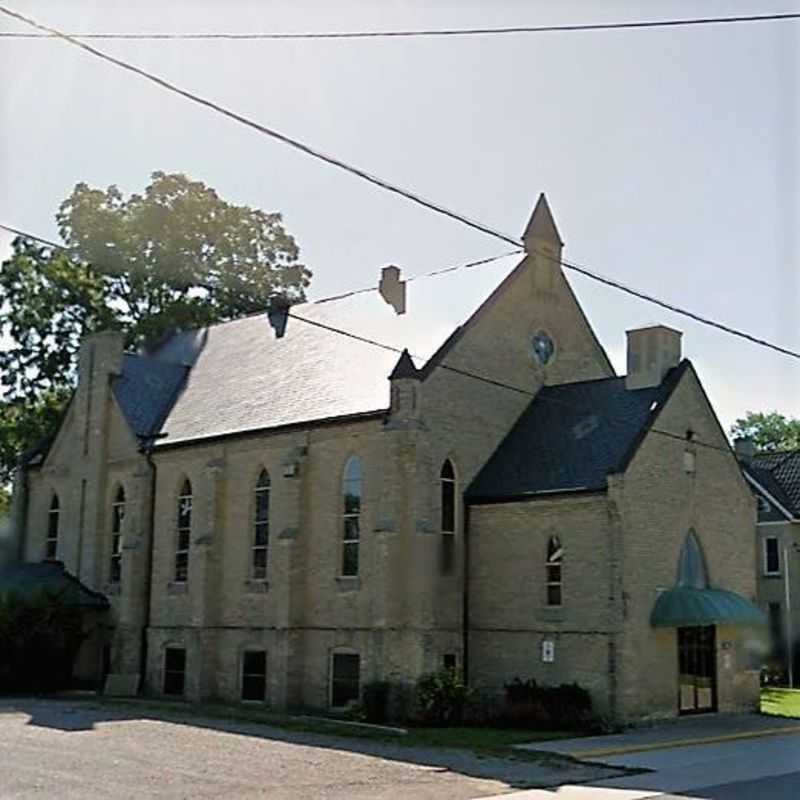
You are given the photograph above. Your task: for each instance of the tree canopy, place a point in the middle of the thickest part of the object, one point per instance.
(769, 431)
(175, 256)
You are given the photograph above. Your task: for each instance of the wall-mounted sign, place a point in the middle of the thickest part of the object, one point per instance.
(548, 651)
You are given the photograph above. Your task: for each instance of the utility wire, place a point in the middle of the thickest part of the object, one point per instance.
(281, 137)
(585, 271)
(484, 379)
(413, 197)
(397, 350)
(425, 32)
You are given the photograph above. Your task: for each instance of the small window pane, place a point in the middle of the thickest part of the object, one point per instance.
(449, 661)
(772, 561)
(181, 567)
(554, 595)
(447, 554)
(345, 675)
(350, 559)
(351, 528)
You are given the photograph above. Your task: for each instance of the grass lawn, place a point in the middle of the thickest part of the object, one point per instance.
(780, 702)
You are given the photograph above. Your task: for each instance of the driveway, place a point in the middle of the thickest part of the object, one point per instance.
(82, 749)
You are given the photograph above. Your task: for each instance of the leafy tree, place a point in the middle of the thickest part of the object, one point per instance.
(176, 256)
(770, 432)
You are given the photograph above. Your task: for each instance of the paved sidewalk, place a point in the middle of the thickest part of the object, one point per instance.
(684, 732)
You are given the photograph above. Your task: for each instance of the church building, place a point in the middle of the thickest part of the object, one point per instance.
(283, 519)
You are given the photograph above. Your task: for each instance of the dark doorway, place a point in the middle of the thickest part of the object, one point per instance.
(697, 670)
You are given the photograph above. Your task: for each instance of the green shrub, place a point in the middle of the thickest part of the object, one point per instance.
(39, 641)
(442, 697)
(568, 706)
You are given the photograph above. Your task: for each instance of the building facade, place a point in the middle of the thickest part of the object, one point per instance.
(775, 481)
(283, 519)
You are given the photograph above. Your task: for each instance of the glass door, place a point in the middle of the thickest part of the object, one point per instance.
(697, 670)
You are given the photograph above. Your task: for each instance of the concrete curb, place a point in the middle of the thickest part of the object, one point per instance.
(619, 750)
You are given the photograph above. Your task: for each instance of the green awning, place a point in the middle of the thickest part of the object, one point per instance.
(684, 606)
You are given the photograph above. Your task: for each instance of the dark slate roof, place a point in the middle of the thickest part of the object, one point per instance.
(28, 580)
(779, 475)
(404, 368)
(145, 391)
(571, 437)
(243, 378)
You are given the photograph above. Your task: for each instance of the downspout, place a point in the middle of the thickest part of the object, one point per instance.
(146, 450)
(465, 601)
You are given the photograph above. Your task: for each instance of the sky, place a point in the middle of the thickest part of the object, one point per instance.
(670, 157)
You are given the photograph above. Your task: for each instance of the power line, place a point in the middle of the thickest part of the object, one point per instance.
(298, 145)
(409, 195)
(424, 32)
(483, 378)
(397, 350)
(582, 270)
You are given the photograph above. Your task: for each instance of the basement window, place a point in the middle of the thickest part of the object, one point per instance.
(254, 676)
(174, 671)
(345, 679)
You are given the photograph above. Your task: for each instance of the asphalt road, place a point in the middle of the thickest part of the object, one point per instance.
(767, 768)
(74, 750)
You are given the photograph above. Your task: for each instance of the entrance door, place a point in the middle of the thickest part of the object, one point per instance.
(697, 668)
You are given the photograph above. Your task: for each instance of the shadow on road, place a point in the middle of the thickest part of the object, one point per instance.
(85, 714)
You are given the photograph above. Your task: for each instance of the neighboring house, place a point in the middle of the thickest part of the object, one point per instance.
(775, 481)
(281, 520)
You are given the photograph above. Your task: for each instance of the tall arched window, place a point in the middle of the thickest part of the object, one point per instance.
(261, 528)
(351, 516)
(555, 562)
(184, 533)
(447, 481)
(53, 515)
(117, 517)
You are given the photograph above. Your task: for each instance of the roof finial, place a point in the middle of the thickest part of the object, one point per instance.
(541, 226)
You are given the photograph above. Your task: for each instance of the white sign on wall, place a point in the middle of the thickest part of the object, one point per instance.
(548, 651)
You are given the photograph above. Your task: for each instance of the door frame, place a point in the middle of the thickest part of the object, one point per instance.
(711, 651)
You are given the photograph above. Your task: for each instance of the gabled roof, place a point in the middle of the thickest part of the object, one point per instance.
(28, 580)
(778, 474)
(571, 437)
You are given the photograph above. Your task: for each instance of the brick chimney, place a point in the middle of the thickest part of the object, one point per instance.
(652, 352)
(745, 449)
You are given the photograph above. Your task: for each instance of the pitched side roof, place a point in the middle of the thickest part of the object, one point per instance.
(571, 437)
(243, 378)
(28, 580)
(778, 474)
(145, 391)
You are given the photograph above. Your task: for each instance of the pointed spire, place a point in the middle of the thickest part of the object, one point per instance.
(404, 368)
(541, 225)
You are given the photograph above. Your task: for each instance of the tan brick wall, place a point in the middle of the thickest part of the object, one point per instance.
(509, 615)
(659, 504)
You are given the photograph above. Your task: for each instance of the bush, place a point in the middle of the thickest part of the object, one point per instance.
(530, 705)
(442, 697)
(39, 641)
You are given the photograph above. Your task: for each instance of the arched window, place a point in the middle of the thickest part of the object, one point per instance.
(184, 533)
(51, 542)
(555, 562)
(447, 482)
(117, 517)
(261, 528)
(351, 516)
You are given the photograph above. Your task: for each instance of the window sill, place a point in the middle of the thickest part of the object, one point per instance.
(348, 583)
(253, 586)
(177, 587)
(771, 575)
(553, 613)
